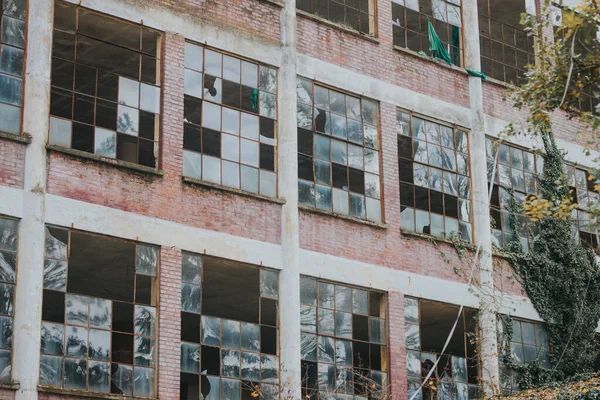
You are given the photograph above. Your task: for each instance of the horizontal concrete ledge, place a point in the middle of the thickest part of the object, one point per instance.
(431, 59)
(90, 395)
(430, 238)
(215, 186)
(334, 25)
(272, 2)
(342, 216)
(25, 138)
(10, 386)
(108, 161)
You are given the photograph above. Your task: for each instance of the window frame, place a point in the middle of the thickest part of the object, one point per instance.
(10, 315)
(371, 3)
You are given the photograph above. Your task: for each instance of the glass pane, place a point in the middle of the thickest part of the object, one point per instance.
(250, 337)
(343, 324)
(52, 338)
(269, 371)
(143, 382)
(360, 301)
(190, 358)
(55, 273)
(326, 322)
(75, 374)
(99, 345)
(343, 298)
(144, 351)
(145, 320)
(230, 363)
(326, 295)
(308, 291)
(190, 298)
(250, 366)
(413, 338)
(100, 313)
(122, 379)
(269, 284)
(343, 352)
(326, 349)
(76, 309)
(191, 266)
(76, 341)
(231, 334)
(308, 346)
(51, 371)
(147, 259)
(99, 376)
(308, 318)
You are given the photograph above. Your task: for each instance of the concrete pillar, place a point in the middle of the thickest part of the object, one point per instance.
(289, 280)
(30, 275)
(481, 208)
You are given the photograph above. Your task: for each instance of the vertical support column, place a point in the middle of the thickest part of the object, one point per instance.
(289, 278)
(169, 323)
(397, 378)
(488, 345)
(30, 275)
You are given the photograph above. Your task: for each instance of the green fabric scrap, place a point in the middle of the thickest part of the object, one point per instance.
(436, 46)
(476, 73)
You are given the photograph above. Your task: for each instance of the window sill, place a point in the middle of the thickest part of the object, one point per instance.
(431, 238)
(431, 59)
(227, 189)
(332, 214)
(10, 386)
(331, 24)
(24, 139)
(272, 2)
(105, 160)
(91, 395)
(500, 83)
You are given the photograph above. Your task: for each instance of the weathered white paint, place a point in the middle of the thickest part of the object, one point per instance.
(289, 278)
(12, 202)
(30, 253)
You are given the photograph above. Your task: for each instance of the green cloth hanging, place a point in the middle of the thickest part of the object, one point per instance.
(476, 73)
(436, 46)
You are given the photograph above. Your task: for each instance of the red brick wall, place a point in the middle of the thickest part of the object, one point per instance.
(165, 197)
(380, 60)
(12, 163)
(385, 247)
(506, 279)
(7, 394)
(397, 349)
(255, 17)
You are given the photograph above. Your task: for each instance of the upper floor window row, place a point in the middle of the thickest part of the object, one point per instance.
(12, 63)
(358, 15)
(338, 152)
(105, 96)
(230, 121)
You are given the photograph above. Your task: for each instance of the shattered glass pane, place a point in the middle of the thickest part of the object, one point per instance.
(190, 298)
(445, 391)
(269, 284)
(55, 274)
(308, 318)
(144, 351)
(343, 352)
(250, 337)
(122, 379)
(76, 309)
(211, 331)
(250, 366)
(55, 247)
(230, 363)
(210, 387)
(145, 320)
(75, 374)
(52, 338)
(231, 334)
(99, 376)
(326, 349)
(326, 322)
(269, 369)
(77, 341)
(100, 313)
(343, 324)
(143, 382)
(99, 345)
(190, 357)
(146, 260)
(8, 234)
(308, 346)
(343, 298)
(191, 268)
(413, 362)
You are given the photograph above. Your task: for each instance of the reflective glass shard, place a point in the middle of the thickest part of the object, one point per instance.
(211, 331)
(122, 379)
(99, 376)
(56, 243)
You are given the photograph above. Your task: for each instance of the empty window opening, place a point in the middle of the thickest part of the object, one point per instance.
(523, 342)
(8, 269)
(12, 62)
(434, 167)
(428, 325)
(517, 175)
(230, 121)
(99, 314)
(229, 330)
(358, 15)
(105, 96)
(343, 340)
(506, 48)
(410, 24)
(338, 152)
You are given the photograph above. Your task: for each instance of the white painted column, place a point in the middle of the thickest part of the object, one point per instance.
(30, 274)
(289, 281)
(481, 209)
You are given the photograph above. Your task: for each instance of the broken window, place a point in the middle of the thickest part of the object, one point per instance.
(229, 330)
(338, 152)
(522, 342)
(410, 24)
(358, 15)
(516, 178)
(435, 186)
(506, 48)
(230, 121)
(99, 314)
(343, 340)
(583, 188)
(105, 96)
(457, 374)
(8, 268)
(13, 14)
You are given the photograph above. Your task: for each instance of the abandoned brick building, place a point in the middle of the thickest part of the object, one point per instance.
(231, 199)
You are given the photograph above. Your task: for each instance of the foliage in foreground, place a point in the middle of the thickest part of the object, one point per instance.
(582, 387)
